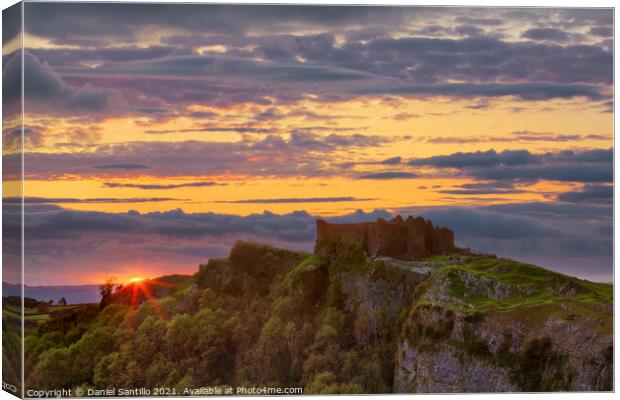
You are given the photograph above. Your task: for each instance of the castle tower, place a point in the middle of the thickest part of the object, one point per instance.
(404, 239)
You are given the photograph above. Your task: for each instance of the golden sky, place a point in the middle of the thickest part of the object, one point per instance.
(241, 112)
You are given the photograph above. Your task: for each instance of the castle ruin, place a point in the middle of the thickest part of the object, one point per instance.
(408, 239)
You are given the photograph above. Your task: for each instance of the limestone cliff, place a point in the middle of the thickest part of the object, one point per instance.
(496, 325)
(455, 323)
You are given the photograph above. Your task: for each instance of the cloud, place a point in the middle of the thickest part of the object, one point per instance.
(480, 223)
(478, 188)
(207, 67)
(470, 192)
(125, 166)
(175, 94)
(161, 187)
(517, 136)
(280, 53)
(83, 245)
(529, 136)
(83, 135)
(11, 23)
(553, 34)
(556, 212)
(33, 135)
(568, 166)
(487, 158)
(570, 238)
(523, 91)
(468, 30)
(260, 59)
(392, 161)
(99, 24)
(44, 89)
(564, 173)
(458, 139)
(333, 141)
(586, 166)
(172, 224)
(403, 116)
(500, 65)
(298, 200)
(479, 21)
(173, 76)
(300, 154)
(487, 185)
(387, 175)
(594, 194)
(107, 24)
(602, 31)
(106, 54)
(31, 200)
(574, 239)
(212, 129)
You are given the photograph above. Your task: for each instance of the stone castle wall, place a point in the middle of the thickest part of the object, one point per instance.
(405, 239)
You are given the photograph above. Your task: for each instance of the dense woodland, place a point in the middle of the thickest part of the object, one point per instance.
(256, 323)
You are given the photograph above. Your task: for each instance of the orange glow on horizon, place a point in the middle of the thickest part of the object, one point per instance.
(141, 288)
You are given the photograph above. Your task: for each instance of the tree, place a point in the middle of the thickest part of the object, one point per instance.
(106, 290)
(50, 302)
(62, 301)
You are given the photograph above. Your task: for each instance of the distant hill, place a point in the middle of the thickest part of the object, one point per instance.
(78, 294)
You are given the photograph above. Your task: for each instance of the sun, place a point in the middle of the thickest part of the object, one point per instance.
(140, 289)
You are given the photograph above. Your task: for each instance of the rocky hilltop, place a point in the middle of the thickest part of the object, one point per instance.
(394, 310)
(368, 315)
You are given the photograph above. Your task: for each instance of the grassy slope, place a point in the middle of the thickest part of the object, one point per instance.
(32, 314)
(538, 292)
(11, 344)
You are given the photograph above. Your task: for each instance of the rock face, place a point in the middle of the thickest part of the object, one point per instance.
(452, 342)
(494, 353)
(460, 323)
(403, 239)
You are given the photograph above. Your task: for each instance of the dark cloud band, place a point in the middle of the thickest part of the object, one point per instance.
(567, 166)
(523, 91)
(161, 187)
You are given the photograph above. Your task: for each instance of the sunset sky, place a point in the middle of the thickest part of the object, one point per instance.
(158, 135)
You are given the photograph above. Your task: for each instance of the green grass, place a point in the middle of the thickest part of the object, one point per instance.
(532, 277)
(546, 288)
(300, 268)
(482, 303)
(180, 281)
(37, 317)
(603, 289)
(11, 311)
(311, 259)
(436, 259)
(32, 314)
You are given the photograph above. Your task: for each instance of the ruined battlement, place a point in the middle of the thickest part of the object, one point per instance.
(408, 239)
